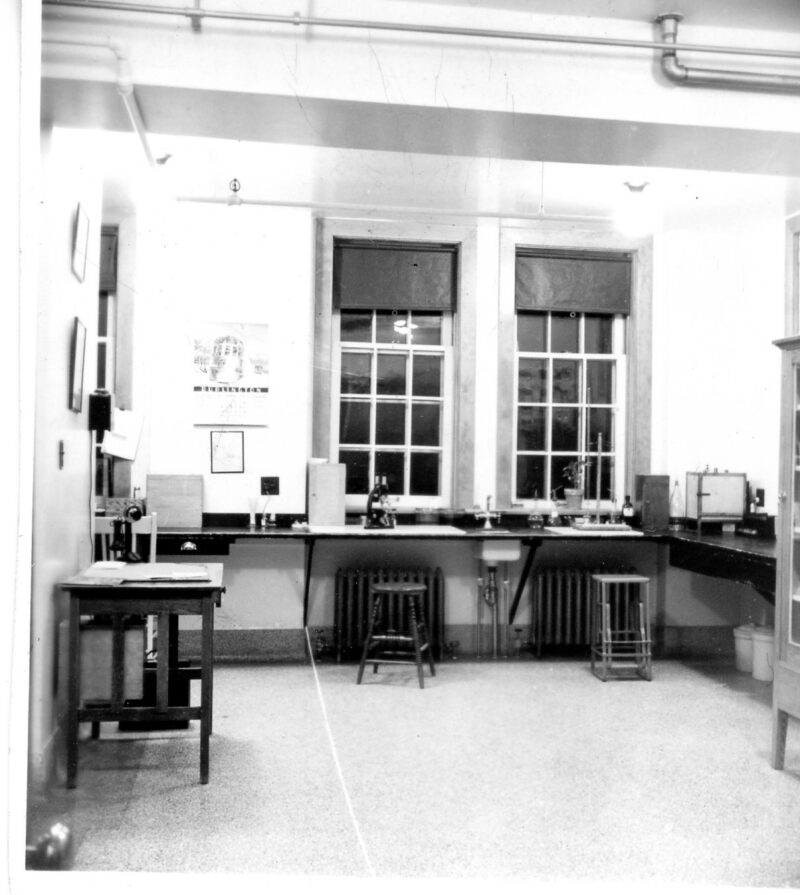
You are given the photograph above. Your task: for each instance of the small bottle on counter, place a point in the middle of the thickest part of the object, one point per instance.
(676, 508)
(627, 509)
(555, 519)
(752, 503)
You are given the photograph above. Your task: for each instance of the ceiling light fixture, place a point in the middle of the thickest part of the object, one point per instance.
(635, 215)
(235, 198)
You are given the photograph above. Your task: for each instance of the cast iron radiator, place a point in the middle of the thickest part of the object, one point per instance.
(561, 600)
(351, 600)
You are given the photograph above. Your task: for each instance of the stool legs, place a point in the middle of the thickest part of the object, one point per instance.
(375, 605)
(620, 633)
(417, 638)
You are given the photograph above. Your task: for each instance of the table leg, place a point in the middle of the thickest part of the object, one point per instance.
(73, 691)
(164, 659)
(117, 661)
(780, 724)
(309, 542)
(533, 546)
(206, 685)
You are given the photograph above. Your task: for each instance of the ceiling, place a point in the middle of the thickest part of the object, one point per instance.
(343, 153)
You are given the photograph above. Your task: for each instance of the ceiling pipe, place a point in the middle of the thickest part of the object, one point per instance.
(196, 15)
(710, 77)
(125, 86)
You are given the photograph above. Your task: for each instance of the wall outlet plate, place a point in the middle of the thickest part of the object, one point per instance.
(270, 484)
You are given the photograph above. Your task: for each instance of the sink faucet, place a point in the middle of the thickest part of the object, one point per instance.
(487, 515)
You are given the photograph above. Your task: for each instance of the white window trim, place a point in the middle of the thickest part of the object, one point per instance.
(619, 406)
(461, 461)
(404, 503)
(637, 447)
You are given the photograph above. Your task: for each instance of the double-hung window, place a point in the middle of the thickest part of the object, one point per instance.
(570, 407)
(394, 407)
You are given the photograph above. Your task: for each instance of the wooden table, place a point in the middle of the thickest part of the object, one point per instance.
(165, 590)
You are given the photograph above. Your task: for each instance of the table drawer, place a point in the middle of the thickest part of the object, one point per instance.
(192, 545)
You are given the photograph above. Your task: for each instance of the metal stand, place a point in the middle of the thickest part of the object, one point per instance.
(620, 627)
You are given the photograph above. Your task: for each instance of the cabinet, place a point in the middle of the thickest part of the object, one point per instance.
(651, 502)
(786, 683)
(715, 496)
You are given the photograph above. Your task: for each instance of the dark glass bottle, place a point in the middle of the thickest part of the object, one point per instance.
(627, 508)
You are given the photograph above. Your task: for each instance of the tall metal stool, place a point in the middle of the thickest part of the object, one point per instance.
(398, 636)
(619, 618)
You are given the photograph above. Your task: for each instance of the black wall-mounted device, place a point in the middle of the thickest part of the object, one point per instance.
(270, 484)
(100, 404)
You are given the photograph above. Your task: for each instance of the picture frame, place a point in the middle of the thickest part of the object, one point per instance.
(227, 451)
(77, 358)
(80, 243)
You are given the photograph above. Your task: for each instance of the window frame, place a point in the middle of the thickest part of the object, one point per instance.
(446, 448)
(567, 236)
(618, 406)
(792, 298)
(324, 435)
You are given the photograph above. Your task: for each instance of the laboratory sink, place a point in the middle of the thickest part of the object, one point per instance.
(493, 549)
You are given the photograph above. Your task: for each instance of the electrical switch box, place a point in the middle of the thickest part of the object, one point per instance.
(270, 484)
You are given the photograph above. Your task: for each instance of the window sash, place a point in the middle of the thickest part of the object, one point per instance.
(542, 403)
(414, 454)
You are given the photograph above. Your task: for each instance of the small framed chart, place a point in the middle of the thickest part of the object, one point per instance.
(80, 243)
(227, 451)
(77, 355)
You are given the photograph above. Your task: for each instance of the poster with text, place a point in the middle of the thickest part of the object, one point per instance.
(230, 374)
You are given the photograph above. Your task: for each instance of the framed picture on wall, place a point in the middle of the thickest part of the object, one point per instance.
(77, 356)
(227, 451)
(80, 243)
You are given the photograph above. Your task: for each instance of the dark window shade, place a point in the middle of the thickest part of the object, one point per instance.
(392, 276)
(591, 283)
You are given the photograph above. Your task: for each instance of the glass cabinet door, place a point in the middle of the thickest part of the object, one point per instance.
(794, 605)
(786, 665)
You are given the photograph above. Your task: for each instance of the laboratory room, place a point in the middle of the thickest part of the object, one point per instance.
(408, 460)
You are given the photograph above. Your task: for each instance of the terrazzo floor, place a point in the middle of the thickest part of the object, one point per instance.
(497, 774)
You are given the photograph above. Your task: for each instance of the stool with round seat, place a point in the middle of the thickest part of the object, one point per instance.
(398, 635)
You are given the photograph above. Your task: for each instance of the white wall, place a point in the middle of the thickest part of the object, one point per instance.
(718, 305)
(195, 263)
(62, 496)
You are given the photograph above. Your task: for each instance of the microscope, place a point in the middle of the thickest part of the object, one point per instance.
(379, 512)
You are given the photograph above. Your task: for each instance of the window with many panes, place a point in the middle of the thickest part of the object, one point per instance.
(570, 377)
(570, 402)
(393, 409)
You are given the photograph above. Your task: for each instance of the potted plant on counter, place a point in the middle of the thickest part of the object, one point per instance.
(573, 473)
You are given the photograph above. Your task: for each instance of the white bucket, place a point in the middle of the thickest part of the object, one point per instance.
(743, 646)
(763, 653)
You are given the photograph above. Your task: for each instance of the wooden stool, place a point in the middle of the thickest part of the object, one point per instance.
(620, 626)
(393, 646)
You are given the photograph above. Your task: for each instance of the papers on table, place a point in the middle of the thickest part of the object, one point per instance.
(101, 573)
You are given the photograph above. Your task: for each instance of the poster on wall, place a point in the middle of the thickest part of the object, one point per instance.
(230, 374)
